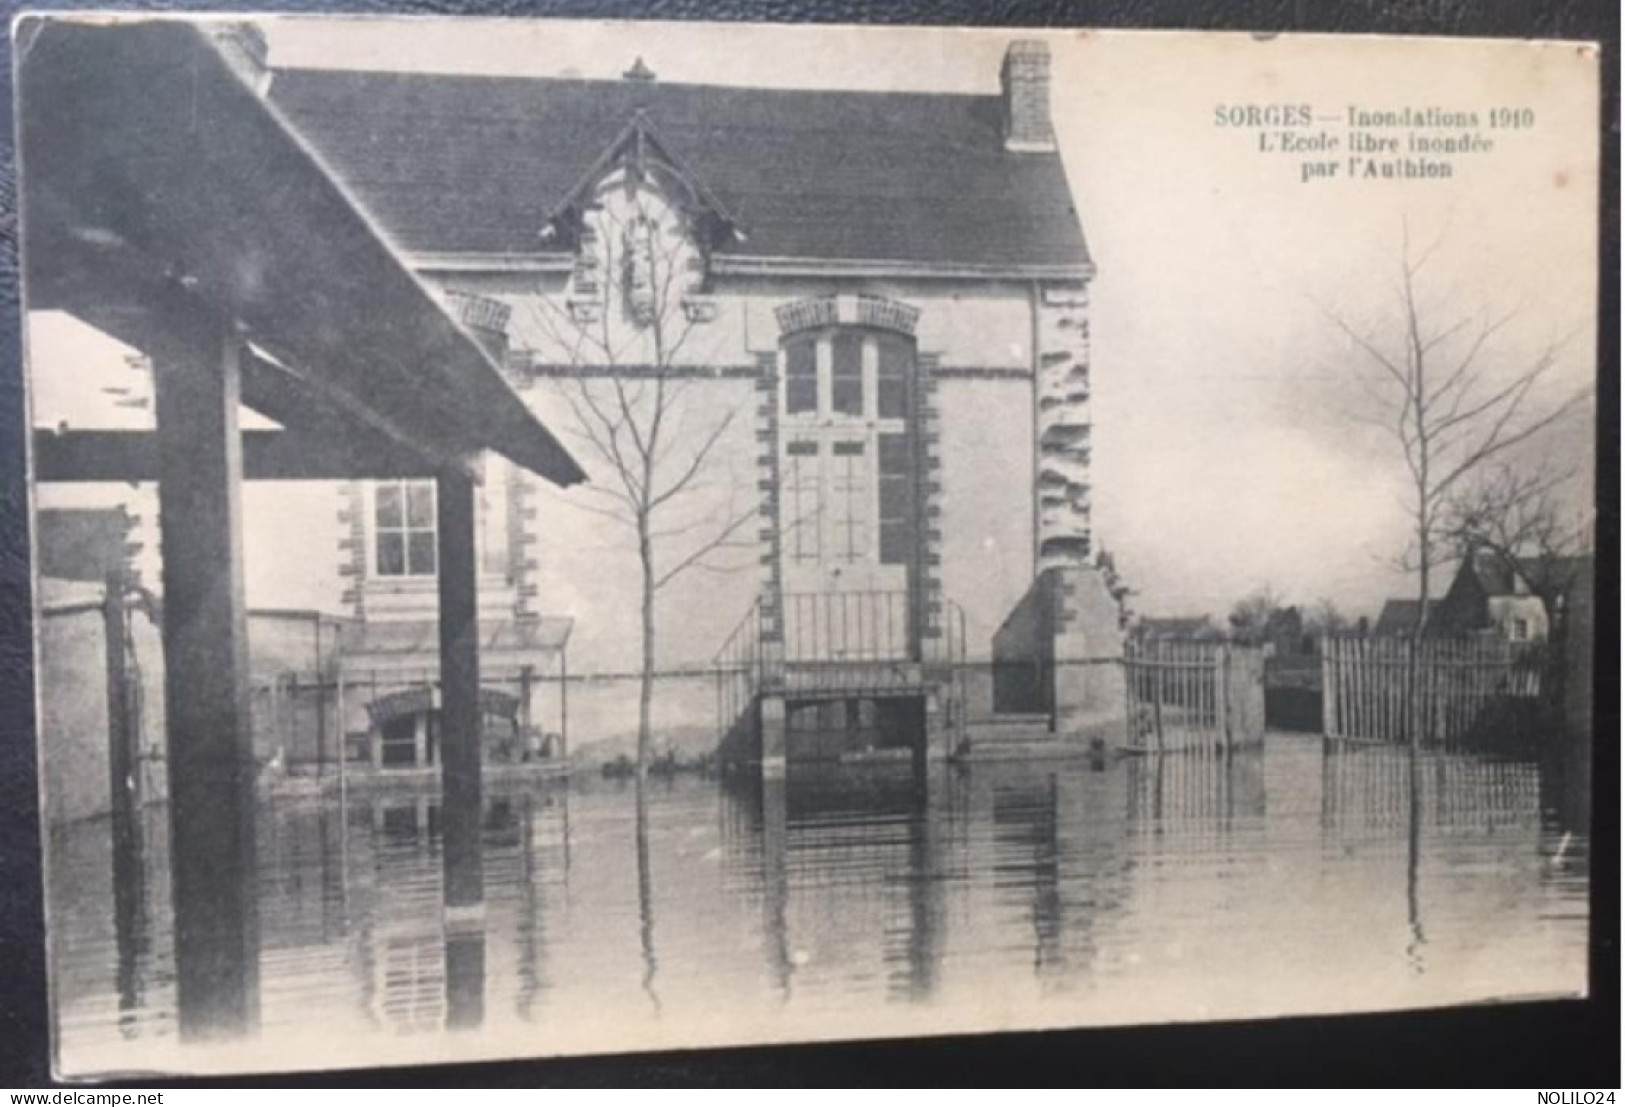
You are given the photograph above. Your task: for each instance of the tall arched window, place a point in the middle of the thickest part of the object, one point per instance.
(847, 463)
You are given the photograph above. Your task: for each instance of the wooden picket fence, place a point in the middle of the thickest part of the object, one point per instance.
(1188, 694)
(1383, 689)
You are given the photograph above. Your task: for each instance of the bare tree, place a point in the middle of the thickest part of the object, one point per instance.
(1251, 614)
(633, 405)
(1455, 396)
(1325, 618)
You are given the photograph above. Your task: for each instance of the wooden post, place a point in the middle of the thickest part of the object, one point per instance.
(1328, 687)
(564, 703)
(205, 635)
(121, 776)
(321, 700)
(527, 679)
(459, 695)
(344, 738)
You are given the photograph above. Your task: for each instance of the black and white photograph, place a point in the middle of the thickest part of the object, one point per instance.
(556, 538)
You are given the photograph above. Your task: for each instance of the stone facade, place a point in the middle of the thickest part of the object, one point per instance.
(1064, 532)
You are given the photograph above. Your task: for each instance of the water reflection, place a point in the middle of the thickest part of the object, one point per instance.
(896, 891)
(646, 895)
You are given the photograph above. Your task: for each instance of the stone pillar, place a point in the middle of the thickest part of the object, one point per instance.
(1061, 337)
(1091, 696)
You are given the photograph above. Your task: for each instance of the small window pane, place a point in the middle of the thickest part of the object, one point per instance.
(894, 543)
(391, 554)
(421, 553)
(801, 377)
(897, 528)
(894, 453)
(389, 505)
(893, 498)
(420, 504)
(896, 366)
(846, 382)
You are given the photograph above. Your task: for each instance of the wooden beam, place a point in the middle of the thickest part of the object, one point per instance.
(459, 697)
(148, 157)
(118, 456)
(210, 751)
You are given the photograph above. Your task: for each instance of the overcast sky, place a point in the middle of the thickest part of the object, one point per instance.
(1226, 455)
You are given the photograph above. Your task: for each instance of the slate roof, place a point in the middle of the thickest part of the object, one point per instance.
(474, 164)
(1400, 616)
(1497, 578)
(1177, 626)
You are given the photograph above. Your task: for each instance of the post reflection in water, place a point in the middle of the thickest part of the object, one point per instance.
(646, 906)
(876, 889)
(132, 924)
(465, 977)
(926, 882)
(774, 814)
(1413, 861)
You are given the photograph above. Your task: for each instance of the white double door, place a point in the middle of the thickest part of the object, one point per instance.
(844, 600)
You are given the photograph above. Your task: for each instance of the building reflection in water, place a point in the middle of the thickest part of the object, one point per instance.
(1059, 855)
(1197, 794)
(875, 882)
(853, 836)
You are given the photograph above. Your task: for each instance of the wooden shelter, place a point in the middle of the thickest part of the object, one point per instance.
(165, 202)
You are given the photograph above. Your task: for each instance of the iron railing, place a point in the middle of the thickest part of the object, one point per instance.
(851, 643)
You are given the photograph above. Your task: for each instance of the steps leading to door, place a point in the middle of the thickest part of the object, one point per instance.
(1002, 729)
(1023, 750)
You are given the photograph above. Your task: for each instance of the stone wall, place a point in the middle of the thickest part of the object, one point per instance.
(1091, 697)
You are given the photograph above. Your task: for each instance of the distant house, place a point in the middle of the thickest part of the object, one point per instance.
(1398, 618)
(1494, 595)
(1179, 627)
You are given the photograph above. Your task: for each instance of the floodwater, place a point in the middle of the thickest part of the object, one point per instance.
(1299, 878)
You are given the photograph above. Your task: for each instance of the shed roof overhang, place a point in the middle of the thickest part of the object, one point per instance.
(152, 168)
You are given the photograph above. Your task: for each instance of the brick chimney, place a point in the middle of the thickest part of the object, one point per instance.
(1024, 79)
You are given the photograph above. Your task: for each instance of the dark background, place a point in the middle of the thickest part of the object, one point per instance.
(1562, 1046)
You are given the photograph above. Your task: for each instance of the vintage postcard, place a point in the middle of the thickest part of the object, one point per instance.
(562, 538)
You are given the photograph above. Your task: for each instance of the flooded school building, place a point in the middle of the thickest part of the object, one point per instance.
(385, 423)
(871, 311)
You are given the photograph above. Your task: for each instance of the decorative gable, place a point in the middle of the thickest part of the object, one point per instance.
(642, 228)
